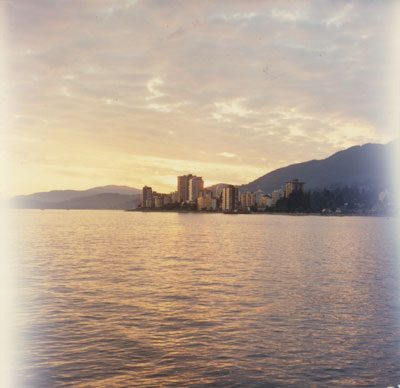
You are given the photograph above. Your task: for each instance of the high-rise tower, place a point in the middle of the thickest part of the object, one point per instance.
(147, 193)
(183, 187)
(229, 198)
(195, 185)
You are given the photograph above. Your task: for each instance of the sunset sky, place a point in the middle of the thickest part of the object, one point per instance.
(135, 92)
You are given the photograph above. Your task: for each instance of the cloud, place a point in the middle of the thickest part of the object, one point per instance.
(273, 82)
(285, 15)
(232, 108)
(227, 154)
(242, 17)
(341, 17)
(152, 88)
(165, 108)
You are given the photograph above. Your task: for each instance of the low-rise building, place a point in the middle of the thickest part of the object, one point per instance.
(266, 201)
(276, 195)
(158, 200)
(259, 194)
(174, 197)
(206, 193)
(206, 201)
(248, 200)
(167, 199)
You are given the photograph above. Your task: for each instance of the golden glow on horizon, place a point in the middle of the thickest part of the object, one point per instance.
(118, 165)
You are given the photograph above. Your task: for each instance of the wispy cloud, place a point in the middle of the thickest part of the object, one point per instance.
(227, 154)
(152, 87)
(231, 108)
(273, 82)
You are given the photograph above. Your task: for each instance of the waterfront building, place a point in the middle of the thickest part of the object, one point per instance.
(183, 187)
(243, 200)
(218, 189)
(147, 193)
(229, 198)
(247, 200)
(196, 184)
(266, 201)
(276, 195)
(294, 185)
(161, 200)
(174, 197)
(167, 199)
(258, 195)
(206, 193)
(150, 202)
(206, 201)
(158, 201)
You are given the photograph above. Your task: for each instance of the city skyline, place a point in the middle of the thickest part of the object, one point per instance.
(135, 93)
(294, 198)
(190, 191)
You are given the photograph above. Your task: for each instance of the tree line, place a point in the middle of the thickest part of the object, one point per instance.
(347, 199)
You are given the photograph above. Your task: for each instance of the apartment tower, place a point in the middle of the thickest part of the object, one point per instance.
(147, 193)
(229, 198)
(293, 185)
(183, 187)
(196, 184)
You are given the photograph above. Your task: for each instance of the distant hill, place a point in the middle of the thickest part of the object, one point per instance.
(112, 201)
(64, 195)
(105, 197)
(126, 190)
(366, 165)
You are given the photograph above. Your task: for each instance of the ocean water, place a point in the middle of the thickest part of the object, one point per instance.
(122, 299)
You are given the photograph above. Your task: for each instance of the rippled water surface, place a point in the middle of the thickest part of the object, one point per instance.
(120, 299)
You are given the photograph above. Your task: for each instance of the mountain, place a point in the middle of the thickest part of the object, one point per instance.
(125, 190)
(64, 195)
(105, 197)
(366, 165)
(112, 201)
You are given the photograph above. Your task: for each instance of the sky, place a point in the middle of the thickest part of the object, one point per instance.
(137, 92)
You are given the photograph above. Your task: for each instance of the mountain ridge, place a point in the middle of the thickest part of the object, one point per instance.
(101, 197)
(64, 195)
(365, 164)
(362, 165)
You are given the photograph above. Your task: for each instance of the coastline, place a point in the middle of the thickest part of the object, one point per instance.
(261, 213)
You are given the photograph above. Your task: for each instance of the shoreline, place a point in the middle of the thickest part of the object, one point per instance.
(262, 213)
(220, 212)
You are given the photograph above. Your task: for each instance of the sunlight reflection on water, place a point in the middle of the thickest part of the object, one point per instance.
(132, 299)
